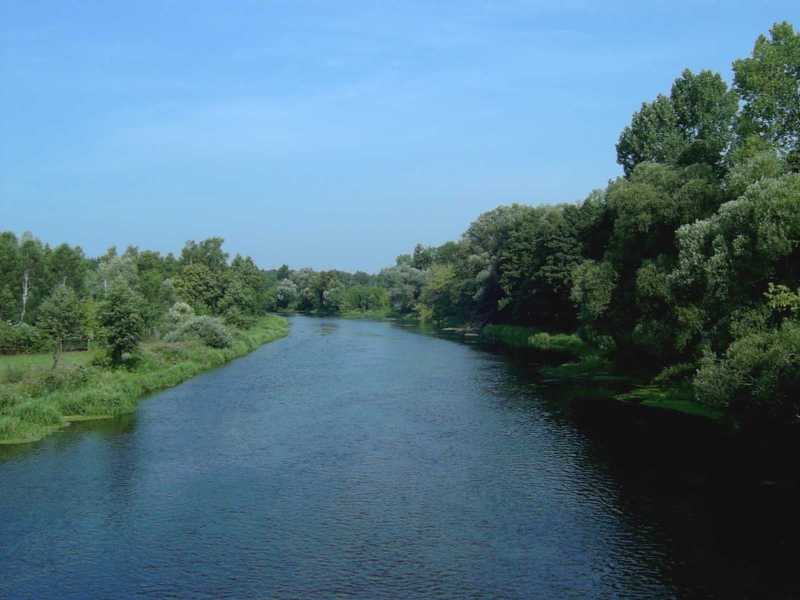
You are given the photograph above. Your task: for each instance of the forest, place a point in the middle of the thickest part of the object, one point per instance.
(685, 270)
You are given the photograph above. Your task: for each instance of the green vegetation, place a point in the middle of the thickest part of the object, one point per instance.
(683, 273)
(678, 398)
(36, 399)
(516, 336)
(151, 321)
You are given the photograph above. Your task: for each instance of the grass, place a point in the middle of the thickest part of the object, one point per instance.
(678, 397)
(39, 400)
(515, 336)
(10, 363)
(589, 368)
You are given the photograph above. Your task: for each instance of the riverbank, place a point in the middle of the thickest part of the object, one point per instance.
(567, 358)
(36, 401)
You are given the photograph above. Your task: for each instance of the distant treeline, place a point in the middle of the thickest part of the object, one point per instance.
(51, 295)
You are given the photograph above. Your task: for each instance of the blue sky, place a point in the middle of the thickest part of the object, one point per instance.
(328, 134)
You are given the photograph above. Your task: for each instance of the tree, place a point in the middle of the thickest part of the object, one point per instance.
(208, 253)
(423, 257)
(403, 283)
(200, 287)
(535, 268)
(60, 316)
(32, 272)
(769, 84)
(727, 261)
(653, 135)
(694, 124)
(120, 317)
(286, 293)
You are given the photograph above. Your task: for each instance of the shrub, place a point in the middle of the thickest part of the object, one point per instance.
(8, 399)
(179, 313)
(208, 330)
(21, 337)
(236, 318)
(758, 375)
(15, 373)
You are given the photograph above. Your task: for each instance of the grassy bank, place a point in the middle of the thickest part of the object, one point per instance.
(515, 336)
(581, 363)
(36, 400)
(677, 398)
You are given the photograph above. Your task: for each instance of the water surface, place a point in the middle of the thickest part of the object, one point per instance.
(361, 459)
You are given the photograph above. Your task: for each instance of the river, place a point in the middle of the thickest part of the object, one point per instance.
(368, 460)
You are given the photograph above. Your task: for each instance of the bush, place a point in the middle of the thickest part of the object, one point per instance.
(759, 374)
(8, 399)
(179, 313)
(15, 373)
(236, 318)
(208, 330)
(21, 337)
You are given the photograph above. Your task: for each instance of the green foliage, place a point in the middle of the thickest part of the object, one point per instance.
(177, 314)
(365, 298)
(21, 337)
(60, 316)
(753, 160)
(769, 84)
(727, 261)
(593, 287)
(693, 125)
(120, 317)
(758, 376)
(439, 295)
(207, 330)
(515, 336)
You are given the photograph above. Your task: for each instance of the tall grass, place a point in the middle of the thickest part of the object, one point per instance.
(42, 400)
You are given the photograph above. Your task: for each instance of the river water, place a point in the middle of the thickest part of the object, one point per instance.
(367, 460)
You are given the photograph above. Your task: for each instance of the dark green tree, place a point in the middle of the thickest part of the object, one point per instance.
(59, 317)
(120, 317)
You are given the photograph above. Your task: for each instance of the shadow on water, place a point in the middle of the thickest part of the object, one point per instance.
(724, 503)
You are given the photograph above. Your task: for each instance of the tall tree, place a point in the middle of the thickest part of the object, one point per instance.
(120, 316)
(60, 316)
(769, 84)
(693, 124)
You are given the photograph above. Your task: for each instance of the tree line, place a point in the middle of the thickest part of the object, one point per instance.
(687, 267)
(52, 296)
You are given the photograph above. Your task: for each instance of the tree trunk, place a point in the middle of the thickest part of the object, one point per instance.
(57, 349)
(25, 290)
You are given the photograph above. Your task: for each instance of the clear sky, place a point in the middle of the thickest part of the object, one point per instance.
(328, 134)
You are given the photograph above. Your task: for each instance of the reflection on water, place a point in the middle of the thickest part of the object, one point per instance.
(327, 327)
(360, 459)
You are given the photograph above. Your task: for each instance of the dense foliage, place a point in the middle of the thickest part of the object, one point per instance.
(52, 297)
(688, 266)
